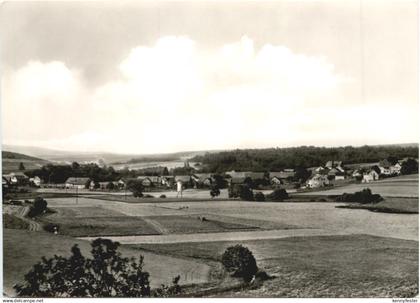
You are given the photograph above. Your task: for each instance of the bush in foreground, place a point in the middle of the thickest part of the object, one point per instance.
(107, 274)
(240, 262)
(364, 196)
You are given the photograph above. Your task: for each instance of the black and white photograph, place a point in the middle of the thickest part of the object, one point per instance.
(210, 149)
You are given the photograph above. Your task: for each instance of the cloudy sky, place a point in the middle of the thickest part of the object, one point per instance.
(145, 77)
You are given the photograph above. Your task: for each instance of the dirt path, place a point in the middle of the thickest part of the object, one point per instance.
(226, 236)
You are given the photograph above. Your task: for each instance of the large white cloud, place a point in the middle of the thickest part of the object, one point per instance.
(174, 95)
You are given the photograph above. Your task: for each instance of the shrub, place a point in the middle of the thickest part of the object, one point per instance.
(233, 191)
(162, 196)
(110, 186)
(259, 196)
(106, 274)
(148, 196)
(39, 207)
(364, 196)
(410, 166)
(87, 184)
(135, 187)
(245, 193)
(214, 191)
(278, 195)
(240, 262)
(242, 191)
(51, 227)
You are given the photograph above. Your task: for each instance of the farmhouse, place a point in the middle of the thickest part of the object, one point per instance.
(145, 181)
(333, 164)
(395, 169)
(282, 175)
(385, 163)
(200, 180)
(335, 174)
(121, 183)
(35, 181)
(274, 180)
(17, 178)
(318, 181)
(76, 182)
(372, 175)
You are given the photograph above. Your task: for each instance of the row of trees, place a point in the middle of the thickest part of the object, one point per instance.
(275, 159)
(60, 173)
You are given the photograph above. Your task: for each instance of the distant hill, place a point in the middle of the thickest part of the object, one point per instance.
(11, 161)
(67, 157)
(12, 155)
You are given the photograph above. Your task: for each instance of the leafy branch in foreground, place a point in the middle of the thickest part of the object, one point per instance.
(106, 274)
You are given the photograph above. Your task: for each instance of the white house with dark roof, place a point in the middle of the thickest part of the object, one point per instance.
(318, 181)
(76, 182)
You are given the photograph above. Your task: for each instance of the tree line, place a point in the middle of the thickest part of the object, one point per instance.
(276, 159)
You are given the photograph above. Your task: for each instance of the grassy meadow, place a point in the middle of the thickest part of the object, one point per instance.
(326, 266)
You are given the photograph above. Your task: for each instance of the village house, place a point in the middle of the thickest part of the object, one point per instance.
(336, 174)
(16, 178)
(121, 183)
(281, 177)
(167, 181)
(318, 181)
(104, 185)
(395, 169)
(76, 182)
(333, 164)
(35, 181)
(184, 179)
(357, 174)
(145, 181)
(200, 180)
(372, 175)
(319, 169)
(251, 178)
